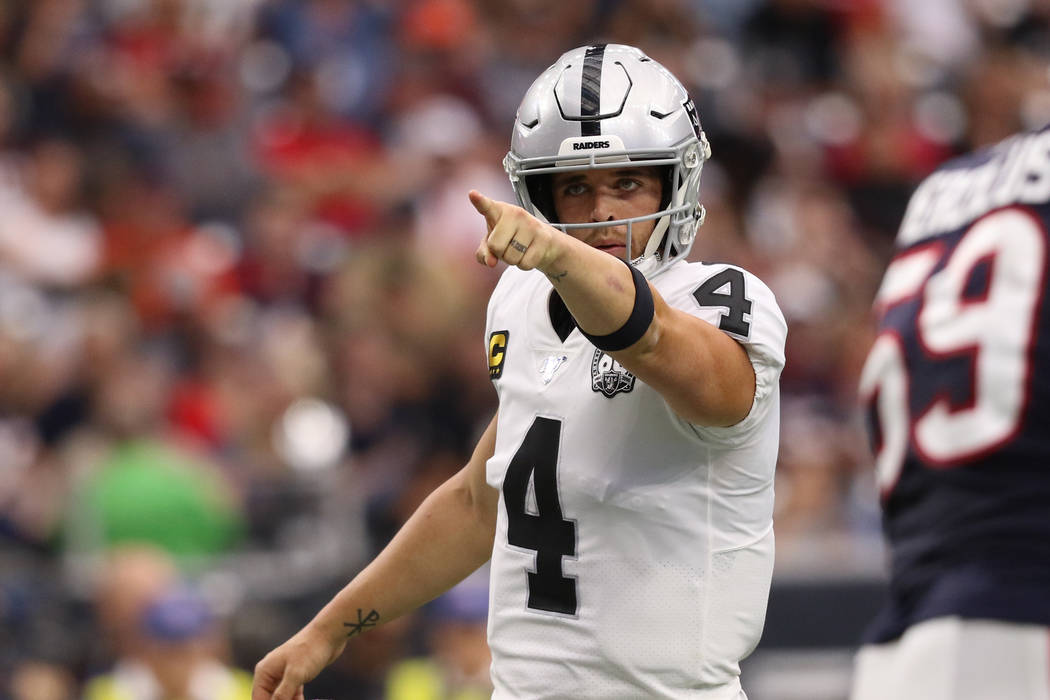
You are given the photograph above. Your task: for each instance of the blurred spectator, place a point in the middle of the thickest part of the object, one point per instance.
(446, 135)
(170, 269)
(166, 639)
(345, 44)
(148, 487)
(36, 680)
(524, 37)
(275, 267)
(129, 577)
(1007, 92)
(792, 44)
(303, 143)
(668, 26)
(45, 236)
(456, 666)
(150, 492)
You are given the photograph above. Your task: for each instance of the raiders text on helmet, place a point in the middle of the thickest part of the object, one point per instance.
(600, 107)
(585, 145)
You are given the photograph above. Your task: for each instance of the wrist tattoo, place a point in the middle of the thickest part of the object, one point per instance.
(556, 277)
(364, 622)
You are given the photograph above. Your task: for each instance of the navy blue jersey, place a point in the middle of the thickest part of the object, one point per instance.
(957, 391)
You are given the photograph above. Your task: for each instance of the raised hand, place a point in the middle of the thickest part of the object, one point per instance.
(514, 236)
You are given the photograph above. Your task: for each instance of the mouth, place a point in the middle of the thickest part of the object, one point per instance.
(612, 248)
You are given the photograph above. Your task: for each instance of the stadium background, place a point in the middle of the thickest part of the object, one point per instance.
(240, 316)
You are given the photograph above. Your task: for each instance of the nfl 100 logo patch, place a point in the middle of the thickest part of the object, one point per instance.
(608, 376)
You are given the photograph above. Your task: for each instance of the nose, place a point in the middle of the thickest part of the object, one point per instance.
(603, 208)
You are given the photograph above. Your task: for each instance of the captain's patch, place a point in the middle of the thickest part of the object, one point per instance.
(497, 353)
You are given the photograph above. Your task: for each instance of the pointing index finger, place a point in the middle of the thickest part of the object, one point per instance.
(486, 207)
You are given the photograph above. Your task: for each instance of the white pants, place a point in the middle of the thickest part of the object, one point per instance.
(950, 658)
(738, 694)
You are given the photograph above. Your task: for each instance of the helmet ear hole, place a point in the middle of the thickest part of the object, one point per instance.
(669, 185)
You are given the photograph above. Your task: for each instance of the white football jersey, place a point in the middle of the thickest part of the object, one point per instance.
(633, 549)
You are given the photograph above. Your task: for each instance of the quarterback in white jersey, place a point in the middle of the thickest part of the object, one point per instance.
(624, 490)
(633, 548)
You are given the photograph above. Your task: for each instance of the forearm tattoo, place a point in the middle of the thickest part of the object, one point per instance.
(363, 624)
(556, 277)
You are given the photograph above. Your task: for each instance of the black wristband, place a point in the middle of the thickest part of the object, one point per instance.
(636, 324)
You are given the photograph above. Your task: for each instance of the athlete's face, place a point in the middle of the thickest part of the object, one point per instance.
(588, 196)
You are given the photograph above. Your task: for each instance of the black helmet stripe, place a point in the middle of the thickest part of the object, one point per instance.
(591, 90)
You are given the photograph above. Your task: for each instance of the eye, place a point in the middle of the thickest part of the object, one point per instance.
(628, 184)
(574, 189)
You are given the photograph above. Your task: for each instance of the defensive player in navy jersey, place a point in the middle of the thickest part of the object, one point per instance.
(624, 490)
(957, 387)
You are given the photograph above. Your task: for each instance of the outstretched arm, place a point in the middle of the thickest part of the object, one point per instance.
(447, 538)
(702, 373)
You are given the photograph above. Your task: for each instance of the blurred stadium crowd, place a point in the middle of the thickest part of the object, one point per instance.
(240, 318)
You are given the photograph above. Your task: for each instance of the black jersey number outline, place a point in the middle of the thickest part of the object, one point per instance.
(735, 300)
(547, 533)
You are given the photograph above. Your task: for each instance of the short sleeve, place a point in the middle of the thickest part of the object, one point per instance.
(743, 307)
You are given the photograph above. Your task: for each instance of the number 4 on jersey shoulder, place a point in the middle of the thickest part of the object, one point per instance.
(727, 289)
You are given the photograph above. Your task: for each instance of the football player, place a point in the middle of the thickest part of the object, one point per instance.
(624, 490)
(957, 387)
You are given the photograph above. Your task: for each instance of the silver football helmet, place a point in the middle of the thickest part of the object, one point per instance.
(600, 107)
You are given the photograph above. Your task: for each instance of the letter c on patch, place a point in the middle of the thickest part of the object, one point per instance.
(497, 353)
